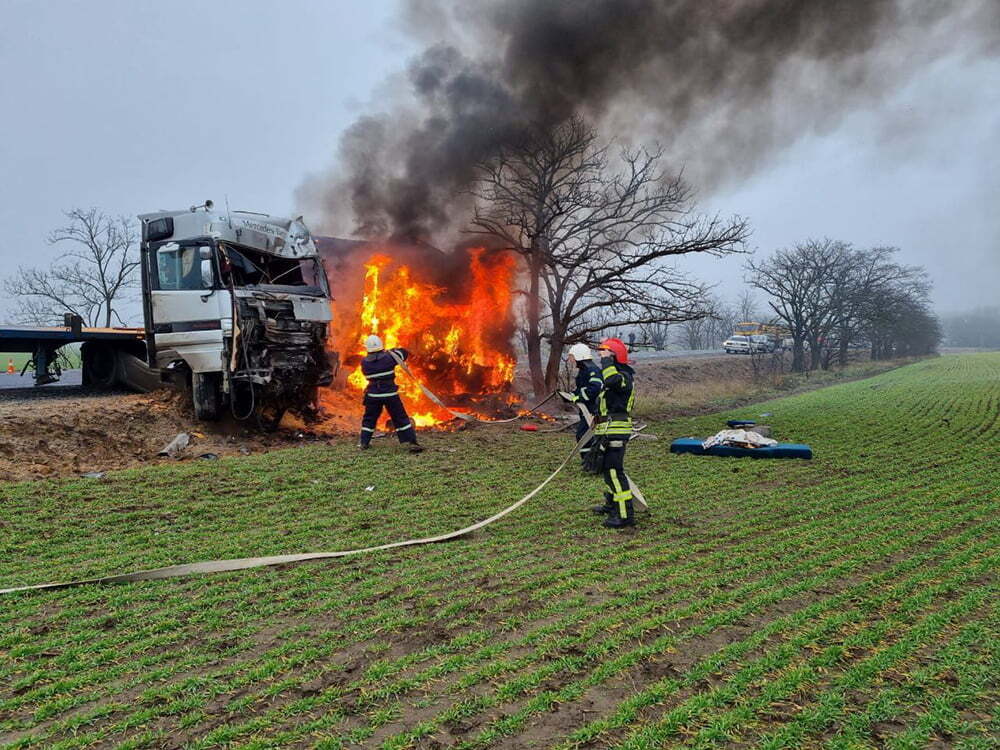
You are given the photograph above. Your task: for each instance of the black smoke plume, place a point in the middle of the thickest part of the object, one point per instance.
(722, 84)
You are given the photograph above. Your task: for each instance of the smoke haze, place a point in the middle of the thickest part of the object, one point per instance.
(722, 85)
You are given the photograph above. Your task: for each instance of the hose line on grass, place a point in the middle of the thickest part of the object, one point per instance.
(221, 566)
(243, 563)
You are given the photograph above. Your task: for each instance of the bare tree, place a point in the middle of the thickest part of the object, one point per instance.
(693, 331)
(899, 322)
(806, 284)
(595, 240)
(657, 334)
(713, 330)
(872, 275)
(725, 317)
(746, 306)
(830, 296)
(88, 279)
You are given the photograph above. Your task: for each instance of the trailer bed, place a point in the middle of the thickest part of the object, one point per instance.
(26, 338)
(109, 355)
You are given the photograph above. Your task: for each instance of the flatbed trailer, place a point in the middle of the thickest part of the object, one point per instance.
(110, 356)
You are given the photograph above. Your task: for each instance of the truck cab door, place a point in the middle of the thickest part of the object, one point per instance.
(190, 311)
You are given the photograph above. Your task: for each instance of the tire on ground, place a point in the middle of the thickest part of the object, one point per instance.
(206, 394)
(100, 365)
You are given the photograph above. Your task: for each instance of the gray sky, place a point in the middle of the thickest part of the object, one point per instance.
(134, 106)
(922, 172)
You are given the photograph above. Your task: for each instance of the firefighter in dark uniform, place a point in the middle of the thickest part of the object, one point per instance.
(588, 387)
(612, 430)
(379, 367)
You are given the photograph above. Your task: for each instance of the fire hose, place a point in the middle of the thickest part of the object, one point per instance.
(243, 563)
(636, 492)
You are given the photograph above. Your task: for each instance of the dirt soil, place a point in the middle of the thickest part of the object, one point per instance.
(65, 435)
(85, 432)
(656, 376)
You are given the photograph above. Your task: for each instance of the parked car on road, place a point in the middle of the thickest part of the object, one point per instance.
(763, 343)
(748, 344)
(737, 345)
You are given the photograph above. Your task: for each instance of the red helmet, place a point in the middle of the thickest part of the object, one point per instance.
(616, 347)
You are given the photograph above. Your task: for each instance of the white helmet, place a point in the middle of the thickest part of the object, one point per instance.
(373, 344)
(580, 352)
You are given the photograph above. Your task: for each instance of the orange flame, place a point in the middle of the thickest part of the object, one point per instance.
(458, 339)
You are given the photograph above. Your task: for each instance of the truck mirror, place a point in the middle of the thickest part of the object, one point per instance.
(204, 252)
(207, 276)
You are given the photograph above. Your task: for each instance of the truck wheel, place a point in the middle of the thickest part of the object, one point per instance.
(206, 395)
(100, 365)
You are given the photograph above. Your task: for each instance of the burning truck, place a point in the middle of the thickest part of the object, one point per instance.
(238, 310)
(241, 304)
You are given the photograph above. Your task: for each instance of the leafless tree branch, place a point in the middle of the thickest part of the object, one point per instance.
(597, 232)
(88, 279)
(831, 296)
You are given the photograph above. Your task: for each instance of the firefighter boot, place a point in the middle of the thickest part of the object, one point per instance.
(615, 520)
(606, 508)
(416, 447)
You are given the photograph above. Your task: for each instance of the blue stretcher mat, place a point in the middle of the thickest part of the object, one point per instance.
(734, 424)
(781, 450)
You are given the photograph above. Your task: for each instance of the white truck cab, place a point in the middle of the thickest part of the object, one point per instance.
(238, 304)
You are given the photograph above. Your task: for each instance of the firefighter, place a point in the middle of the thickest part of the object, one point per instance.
(612, 430)
(588, 387)
(379, 367)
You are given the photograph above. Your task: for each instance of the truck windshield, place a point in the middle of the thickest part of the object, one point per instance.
(252, 269)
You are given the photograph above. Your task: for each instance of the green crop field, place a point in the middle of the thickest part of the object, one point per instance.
(70, 358)
(846, 602)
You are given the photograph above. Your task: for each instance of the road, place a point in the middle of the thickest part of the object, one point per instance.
(675, 353)
(15, 387)
(69, 377)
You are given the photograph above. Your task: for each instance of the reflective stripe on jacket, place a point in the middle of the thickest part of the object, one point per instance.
(616, 400)
(588, 385)
(380, 370)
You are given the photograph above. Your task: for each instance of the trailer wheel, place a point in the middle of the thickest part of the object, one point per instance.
(206, 395)
(100, 365)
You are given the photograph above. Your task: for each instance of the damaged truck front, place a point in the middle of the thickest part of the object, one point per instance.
(236, 306)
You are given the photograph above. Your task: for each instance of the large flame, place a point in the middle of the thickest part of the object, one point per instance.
(458, 336)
